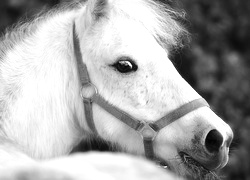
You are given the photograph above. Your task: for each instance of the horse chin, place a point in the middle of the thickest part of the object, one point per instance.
(194, 170)
(187, 167)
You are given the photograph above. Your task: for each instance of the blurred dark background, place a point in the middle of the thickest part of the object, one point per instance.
(216, 62)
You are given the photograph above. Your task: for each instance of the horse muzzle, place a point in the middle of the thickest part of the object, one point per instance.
(212, 155)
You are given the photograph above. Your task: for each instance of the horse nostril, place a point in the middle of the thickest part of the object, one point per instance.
(213, 141)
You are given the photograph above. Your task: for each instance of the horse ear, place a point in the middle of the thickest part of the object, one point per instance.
(95, 10)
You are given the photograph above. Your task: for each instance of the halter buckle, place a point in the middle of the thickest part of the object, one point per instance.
(88, 91)
(147, 132)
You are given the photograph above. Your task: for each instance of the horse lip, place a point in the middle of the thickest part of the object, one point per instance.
(186, 158)
(203, 163)
(219, 161)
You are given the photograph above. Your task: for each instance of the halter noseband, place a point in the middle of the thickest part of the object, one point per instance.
(147, 130)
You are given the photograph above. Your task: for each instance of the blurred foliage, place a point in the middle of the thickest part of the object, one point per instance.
(216, 63)
(219, 61)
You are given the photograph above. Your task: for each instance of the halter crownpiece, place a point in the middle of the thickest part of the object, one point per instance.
(147, 130)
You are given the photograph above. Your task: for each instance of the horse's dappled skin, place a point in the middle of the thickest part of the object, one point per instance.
(125, 45)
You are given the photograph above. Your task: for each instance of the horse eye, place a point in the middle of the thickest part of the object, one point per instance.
(125, 65)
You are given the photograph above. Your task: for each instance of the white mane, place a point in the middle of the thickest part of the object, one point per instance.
(27, 27)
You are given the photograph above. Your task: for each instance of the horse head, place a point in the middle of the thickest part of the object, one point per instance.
(125, 46)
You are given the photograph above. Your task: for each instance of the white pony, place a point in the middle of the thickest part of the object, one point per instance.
(124, 45)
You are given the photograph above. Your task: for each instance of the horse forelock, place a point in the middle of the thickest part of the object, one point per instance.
(158, 18)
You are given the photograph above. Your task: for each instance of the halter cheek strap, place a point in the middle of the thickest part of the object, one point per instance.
(147, 130)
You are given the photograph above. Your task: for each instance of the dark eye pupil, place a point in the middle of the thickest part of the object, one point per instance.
(125, 66)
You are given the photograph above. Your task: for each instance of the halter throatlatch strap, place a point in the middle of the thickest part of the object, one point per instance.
(147, 130)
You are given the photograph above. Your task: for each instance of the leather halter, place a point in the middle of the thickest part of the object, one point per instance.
(147, 130)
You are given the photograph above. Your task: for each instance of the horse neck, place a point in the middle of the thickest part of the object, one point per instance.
(46, 113)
